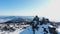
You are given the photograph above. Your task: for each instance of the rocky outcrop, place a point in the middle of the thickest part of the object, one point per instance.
(41, 27)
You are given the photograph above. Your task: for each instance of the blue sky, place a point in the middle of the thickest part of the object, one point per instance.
(20, 7)
(45, 8)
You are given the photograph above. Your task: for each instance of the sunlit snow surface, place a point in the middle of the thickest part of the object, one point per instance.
(58, 29)
(28, 30)
(40, 31)
(17, 31)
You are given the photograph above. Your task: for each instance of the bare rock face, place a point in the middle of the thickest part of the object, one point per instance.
(52, 30)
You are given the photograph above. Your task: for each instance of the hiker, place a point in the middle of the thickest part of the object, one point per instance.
(44, 21)
(35, 23)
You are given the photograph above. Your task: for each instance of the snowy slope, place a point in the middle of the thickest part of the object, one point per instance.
(27, 31)
(40, 31)
(15, 32)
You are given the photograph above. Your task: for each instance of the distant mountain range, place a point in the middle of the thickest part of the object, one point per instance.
(14, 18)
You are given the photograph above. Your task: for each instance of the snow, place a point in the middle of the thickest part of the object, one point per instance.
(15, 32)
(4, 20)
(40, 31)
(58, 29)
(28, 30)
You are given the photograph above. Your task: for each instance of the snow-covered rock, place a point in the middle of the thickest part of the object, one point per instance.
(43, 27)
(40, 30)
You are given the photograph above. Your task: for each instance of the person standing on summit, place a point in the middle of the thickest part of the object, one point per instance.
(36, 18)
(35, 23)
